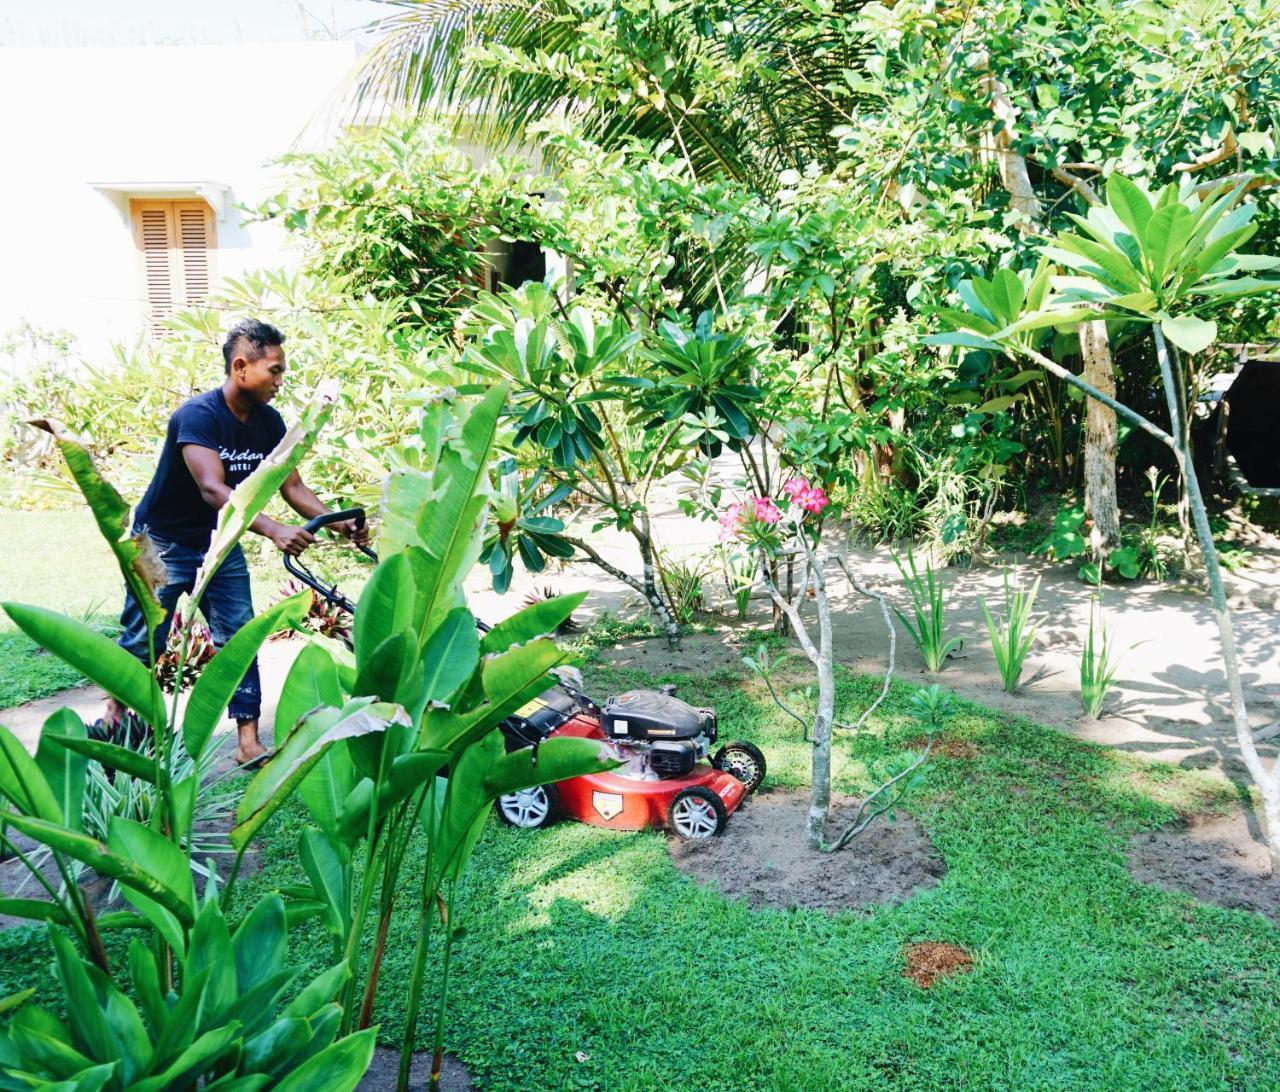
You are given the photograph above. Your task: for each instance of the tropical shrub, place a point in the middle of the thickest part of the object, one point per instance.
(402, 215)
(1098, 662)
(215, 1019)
(927, 624)
(400, 739)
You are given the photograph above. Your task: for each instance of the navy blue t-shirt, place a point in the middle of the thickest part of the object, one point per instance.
(172, 507)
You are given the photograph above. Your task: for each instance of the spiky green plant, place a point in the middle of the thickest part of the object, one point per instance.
(1012, 641)
(928, 602)
(1098, 664)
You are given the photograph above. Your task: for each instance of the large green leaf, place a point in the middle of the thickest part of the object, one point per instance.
(96, 657)
(312, 683)
(337, 1068)
(1167, 233)
(63, 769)
(448, 529)
(34, 910)
(210, 953)
(319, 992)
(97, 856)
(1130, 204)
(105, 1025)
(221, 675)
(386, 607)
(540, 619)
(143, 570)
(388, 669)
(259, 944)
(111, 755)
(252, 495)
(1107, 264)
(144, 976)
(408, 772)
(1188, 333)
(270, 1051)
(450, 656)
(557, 758)
(327, 864)
(201, 1056)
(22, 783)
(163, 861)
(44, 1043)
(301, 751)
(508, 681)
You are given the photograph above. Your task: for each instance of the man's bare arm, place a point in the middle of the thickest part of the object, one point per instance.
(206, 468)
(303, 501)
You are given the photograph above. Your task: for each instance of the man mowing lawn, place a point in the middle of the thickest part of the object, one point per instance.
(214, 441)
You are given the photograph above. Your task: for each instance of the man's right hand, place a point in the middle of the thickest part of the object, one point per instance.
(291, 540)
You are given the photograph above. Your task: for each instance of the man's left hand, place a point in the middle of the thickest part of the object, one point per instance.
(349, 530)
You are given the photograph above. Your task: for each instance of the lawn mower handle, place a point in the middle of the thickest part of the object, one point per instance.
(297, 569)
(316, 523)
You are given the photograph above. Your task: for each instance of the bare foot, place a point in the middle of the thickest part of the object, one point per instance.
(249, 747)
(244, 755)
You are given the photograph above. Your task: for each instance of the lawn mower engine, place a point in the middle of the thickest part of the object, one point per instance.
(658, 734)
(668, 776)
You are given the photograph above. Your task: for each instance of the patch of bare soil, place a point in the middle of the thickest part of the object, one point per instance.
(931, 960)
(1217, 860)
(946, 746)
(763, 857)
(385, 1068)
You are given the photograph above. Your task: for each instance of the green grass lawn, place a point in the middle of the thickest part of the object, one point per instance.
(583, 940)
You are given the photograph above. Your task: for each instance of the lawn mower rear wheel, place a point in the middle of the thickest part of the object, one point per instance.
(744, 760)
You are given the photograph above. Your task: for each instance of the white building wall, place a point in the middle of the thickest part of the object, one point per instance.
(72, 118)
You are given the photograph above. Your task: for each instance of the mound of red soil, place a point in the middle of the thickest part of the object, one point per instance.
(931, 960)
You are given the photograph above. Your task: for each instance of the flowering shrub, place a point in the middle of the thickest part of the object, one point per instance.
(755, 520)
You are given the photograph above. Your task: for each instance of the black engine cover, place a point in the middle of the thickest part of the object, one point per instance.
(672, 757)
(648, 714)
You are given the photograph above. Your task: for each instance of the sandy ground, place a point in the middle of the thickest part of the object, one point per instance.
(1219, 860)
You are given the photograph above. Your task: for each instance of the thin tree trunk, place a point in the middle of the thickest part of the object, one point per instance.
(1100, 441)
(1266, 781)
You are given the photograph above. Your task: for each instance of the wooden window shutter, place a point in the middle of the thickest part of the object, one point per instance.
(177, 243)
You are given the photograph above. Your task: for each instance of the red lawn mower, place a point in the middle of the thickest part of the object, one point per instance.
(668, 777)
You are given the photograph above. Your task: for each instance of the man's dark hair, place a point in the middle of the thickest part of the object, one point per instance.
(259, 335)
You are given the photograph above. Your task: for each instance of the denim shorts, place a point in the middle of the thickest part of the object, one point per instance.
(227, 605)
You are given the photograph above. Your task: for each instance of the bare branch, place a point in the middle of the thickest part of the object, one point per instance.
(1063, 175)
(893, 645)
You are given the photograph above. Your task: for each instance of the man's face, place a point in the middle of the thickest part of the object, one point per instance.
(260, 379)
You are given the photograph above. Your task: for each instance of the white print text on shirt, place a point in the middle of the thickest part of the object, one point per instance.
(240, 460)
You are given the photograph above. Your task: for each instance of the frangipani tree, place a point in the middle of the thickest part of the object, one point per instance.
(1165, 259)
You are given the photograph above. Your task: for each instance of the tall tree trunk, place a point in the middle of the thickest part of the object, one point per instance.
(1100, 441)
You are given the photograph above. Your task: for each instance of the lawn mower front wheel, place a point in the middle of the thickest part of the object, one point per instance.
(697, 813)
(529, 809)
